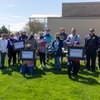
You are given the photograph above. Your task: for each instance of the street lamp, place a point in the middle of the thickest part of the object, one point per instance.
(8, 29)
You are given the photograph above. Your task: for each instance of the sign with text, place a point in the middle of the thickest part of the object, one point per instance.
(18, 45)
(76, 53)
(27, 54)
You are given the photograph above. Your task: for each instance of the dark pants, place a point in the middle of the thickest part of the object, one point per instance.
(99, 58)
(3, 55)
(11, 54)
(42, 58)
(73, 66)
(91, 54)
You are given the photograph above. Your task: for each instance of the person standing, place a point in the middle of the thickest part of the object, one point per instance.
(11, 52)
(57, 50)
(17, 35)
(41, 47)
(91, 46)
(23, 36)
(3, 49)
(73, 40)
(48, 37)
(99, 53)
(31, 40)
(63, 37)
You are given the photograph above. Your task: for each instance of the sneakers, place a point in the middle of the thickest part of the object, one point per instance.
(45, 67)
(40, 66)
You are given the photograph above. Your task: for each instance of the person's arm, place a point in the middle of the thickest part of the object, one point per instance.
(67, 41)
(0, 46)
(79, 40)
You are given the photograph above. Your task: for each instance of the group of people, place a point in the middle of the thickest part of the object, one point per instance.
(41, 44)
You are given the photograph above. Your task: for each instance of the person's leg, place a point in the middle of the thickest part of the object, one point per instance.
(23, 69)
(40, 54)
(69, 66)
(88, 60)
(93, 58)
(14, 57)
(55, 58)
(99, 58)
(31, 69)
(43, 59)
(58, 63)
(76, 66)
(3, 55)
(10, 54)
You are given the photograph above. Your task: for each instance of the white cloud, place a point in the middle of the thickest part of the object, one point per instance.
(16, 26)
(9, 5)
(4, 18)
(14, 16)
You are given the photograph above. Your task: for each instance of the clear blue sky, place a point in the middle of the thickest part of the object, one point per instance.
(16, 12)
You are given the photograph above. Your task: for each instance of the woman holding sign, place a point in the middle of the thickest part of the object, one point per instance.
(11, 53)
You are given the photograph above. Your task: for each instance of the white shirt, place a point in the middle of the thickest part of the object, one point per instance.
(3, 45)
(72, 38)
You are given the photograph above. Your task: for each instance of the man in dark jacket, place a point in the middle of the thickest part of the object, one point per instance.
(23, 36)
(91, 46)
(99, 53)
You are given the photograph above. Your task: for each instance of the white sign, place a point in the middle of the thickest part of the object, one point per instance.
(76, 52)
(18, 45)
(27, 54)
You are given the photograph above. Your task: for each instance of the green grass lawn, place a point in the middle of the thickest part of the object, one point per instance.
(48, 84)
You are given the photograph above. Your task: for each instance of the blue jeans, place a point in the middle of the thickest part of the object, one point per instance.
(24, 69)
(57, 62)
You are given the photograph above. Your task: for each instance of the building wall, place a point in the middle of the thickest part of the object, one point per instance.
(86, 9)
(82, 25)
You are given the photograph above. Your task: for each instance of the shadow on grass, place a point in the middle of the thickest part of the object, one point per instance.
(85, 80)
(51, 69)
(38, 72)
(85, 72)
(7, 70)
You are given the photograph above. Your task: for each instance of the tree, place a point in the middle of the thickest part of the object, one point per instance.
(3, 29)
(34, 26)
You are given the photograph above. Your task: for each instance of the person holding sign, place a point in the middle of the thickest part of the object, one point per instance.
(31, 40)
(27, 65)
(91, 46)
(73, 40)
(11, 52)
(3, 50)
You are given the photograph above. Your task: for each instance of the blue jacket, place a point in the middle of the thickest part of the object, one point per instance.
(91, 42)
(57, 47)
(9, 42)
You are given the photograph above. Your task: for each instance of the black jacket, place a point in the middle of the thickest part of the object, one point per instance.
(91, 42)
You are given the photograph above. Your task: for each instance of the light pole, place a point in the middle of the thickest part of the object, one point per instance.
(8, 29)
